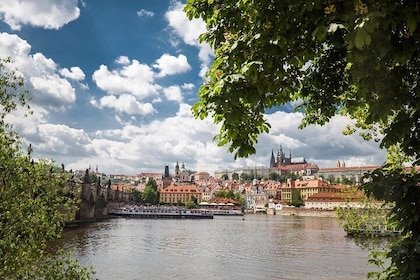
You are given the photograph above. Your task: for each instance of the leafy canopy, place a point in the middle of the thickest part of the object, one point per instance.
(34, 201)
(356, 58)
(150, 193)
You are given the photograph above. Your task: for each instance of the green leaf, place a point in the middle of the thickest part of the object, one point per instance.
(362, 38)
(411, 24)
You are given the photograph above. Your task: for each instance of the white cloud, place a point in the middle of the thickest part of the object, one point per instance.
(53, 91)
(12, 45)
(203, 71)
(148, 147)
(123, 60)
(171, 65)
(124, 104)
(58, 138)
(42, 74)
(151, 146)
(187, 86)
(55, 141)
(186, 29)
(189, 32)
(28, 126)
(145, 13)
(136, 79)
(49, 14)
(75, 73)
(323, 145)
(173, 93)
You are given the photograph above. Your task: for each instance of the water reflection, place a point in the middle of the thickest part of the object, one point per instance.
(259, 247)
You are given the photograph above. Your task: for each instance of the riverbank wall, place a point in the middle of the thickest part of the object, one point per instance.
(294, 211)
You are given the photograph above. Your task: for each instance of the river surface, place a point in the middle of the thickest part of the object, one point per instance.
(249, 247)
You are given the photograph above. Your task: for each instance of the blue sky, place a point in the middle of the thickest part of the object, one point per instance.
(112, 84)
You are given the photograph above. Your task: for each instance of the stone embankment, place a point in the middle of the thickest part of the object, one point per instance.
(294, 211)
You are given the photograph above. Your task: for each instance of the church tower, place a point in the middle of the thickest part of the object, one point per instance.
(166, 179)
(272, 160)
(177, 170)
(280, 157)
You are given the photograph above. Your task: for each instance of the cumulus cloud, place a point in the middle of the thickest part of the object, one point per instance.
(323, 145)
(145, 13)
(187, 86)
(186, 29)
(134, 78)
(148, 147)
(49, 14)
(55, 141)
(171, 65)
(52, 90)
(74, 73)
(123, 60)
(48, 83)
(173, 93)
(189, 32)
(64, 140)
(124, 103)
(28, 126)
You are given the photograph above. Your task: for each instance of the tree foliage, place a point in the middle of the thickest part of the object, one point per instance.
(273, 176)
(394, 184)
(240, 200)
(355, 58)
(152, 184)
(368, 218)
(151, 194)
(297, 199)
(192, 203)
(250, 176)
(358, 58)
(137, 196)
(34, 201)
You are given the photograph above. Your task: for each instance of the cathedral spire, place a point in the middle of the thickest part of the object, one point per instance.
(272, 160)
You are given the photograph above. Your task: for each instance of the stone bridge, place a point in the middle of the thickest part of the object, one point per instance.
(97, 201)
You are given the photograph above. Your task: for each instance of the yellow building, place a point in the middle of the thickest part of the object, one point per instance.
(179, 193)
(306, 188)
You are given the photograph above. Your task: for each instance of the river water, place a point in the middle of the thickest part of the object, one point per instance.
(249, 247)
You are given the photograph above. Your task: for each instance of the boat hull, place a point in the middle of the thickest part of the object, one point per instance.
(218, 212)
(160, 214)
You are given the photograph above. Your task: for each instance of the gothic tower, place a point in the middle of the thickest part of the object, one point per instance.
(273, 160)
(177, 170)
(280, 157)
(166, 179)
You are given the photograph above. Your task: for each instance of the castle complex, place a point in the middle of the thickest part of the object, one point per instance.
(282, 160)
(281, 165)
(284, 165)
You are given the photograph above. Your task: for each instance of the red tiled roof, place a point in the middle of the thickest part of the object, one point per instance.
(311, 184)
(335, 196)
(301, 166)
(202, 173)
(180, 189)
